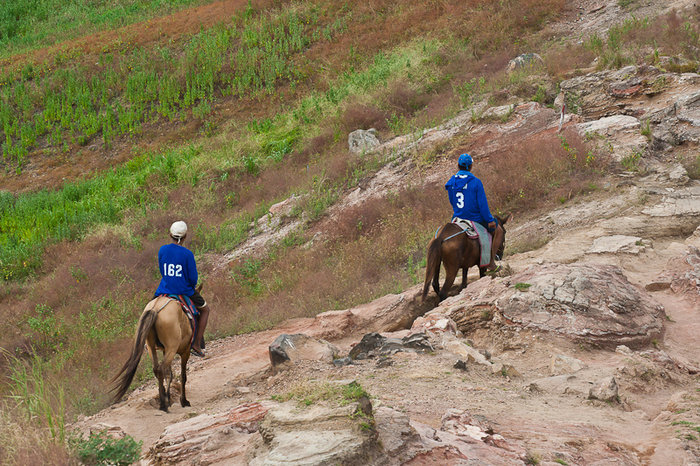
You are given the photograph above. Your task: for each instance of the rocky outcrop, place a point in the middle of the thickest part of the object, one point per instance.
(374, 344)
(632, 90)
(327, 434)
(680, 121)
(362, 140)
(636, 107)
(319, 435)
(622, 133)
(524, 60)
(681, 203)
(595, 304)
(222, 438)
(292, 348)
(392, 312)
(605, 390)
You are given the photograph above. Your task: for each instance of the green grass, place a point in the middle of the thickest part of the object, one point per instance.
(99, 448)
(35, 398)
(631, 161)
(29, 24)
(55, 107)
(311, 392)
(29, 222)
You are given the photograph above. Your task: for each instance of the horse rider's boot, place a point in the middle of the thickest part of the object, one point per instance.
(495, 246)
(199, 337)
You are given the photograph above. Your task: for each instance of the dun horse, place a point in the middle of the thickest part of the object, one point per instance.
(163, 325)
(453, 248)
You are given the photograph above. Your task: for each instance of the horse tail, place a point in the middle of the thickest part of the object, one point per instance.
(432, 267)
(128, 370)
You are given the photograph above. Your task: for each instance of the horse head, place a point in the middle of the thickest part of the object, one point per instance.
(502, 220)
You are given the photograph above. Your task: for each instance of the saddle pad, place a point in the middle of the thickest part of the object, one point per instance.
(485, 243)
(473, 230)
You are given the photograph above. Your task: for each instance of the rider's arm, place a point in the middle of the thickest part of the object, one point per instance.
(192, 276)
(483, 204)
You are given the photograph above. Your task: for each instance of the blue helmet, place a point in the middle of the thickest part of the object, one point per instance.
(465, 160)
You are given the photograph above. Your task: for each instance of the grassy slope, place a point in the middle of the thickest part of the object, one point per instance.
(383, 69)
(27, 25)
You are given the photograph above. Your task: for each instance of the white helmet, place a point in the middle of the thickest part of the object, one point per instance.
(178, 230)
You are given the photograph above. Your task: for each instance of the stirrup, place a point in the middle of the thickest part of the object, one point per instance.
(197, 352)
(494, 271)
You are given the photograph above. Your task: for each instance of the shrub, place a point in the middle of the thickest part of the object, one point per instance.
(100, 448)
(543, 168)
(630, 162)
(641, 41)
(363, 116)
(692, 166)
(405, 100)
(561, 60)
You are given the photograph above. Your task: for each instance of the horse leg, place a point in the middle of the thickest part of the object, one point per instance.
(169, 371)
(482, 271)
(464, 277)
(166, 370)
(450, 275)
(183, 374)
(436, 280)
(158, 372)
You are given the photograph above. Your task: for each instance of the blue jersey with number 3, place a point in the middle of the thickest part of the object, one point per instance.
(178, 269)
(468, 197)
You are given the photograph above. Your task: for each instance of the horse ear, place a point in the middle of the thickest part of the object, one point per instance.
(507, 218)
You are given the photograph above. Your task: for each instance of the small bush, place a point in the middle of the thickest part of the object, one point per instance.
(362, 116)
(405, 100)
(354, 391)
(100, 448)
(692, 166)
(561, 60)
(543, 168)
(630, 162)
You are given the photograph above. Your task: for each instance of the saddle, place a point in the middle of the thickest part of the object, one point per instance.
(467, 226)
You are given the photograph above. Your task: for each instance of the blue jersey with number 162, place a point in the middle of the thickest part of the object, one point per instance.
(178, 269)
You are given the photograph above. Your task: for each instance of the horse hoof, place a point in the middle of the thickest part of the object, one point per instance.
(164, 409)
(185, 403)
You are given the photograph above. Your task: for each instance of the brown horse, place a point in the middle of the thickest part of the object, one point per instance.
(453, 248)
(163, 325)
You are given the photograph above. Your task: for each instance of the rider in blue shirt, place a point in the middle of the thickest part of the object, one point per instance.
(468, 199)
(179, 271)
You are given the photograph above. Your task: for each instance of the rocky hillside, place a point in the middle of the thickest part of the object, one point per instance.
(583, 351)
